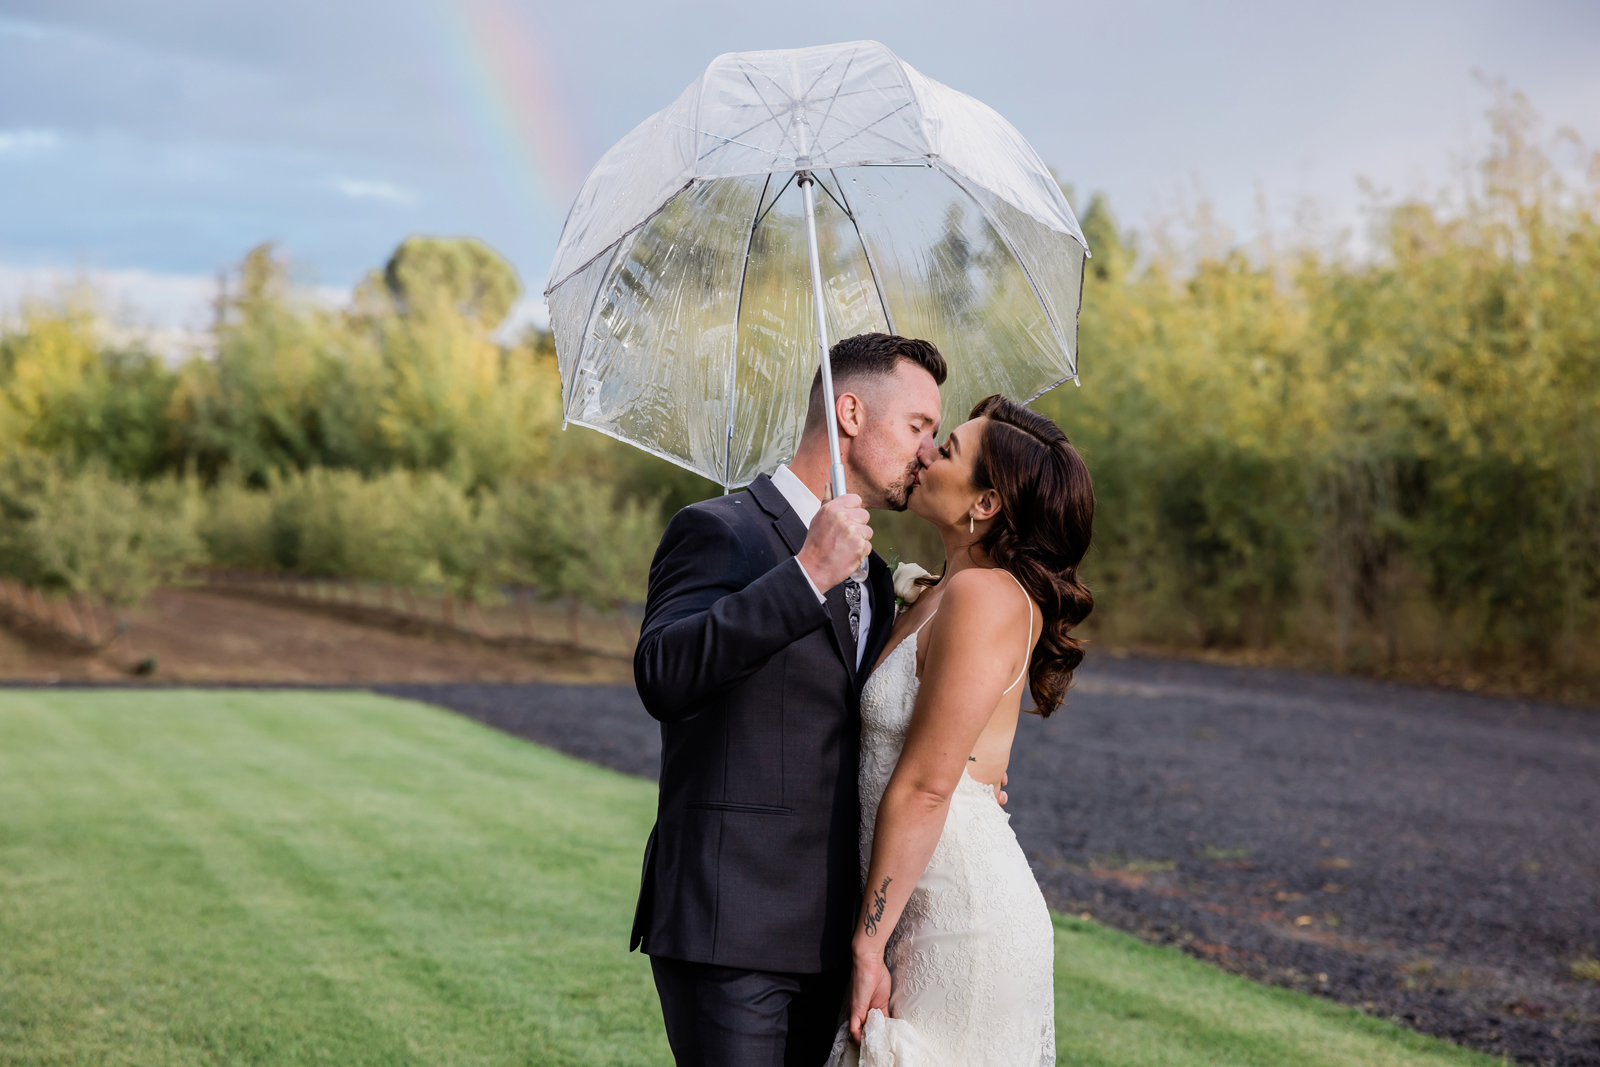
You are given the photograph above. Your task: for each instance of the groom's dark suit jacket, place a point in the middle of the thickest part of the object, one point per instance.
(754, 859)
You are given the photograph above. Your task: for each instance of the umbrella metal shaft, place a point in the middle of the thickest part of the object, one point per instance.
(836, 468)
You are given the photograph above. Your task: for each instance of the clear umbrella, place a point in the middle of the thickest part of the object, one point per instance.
(789, 197)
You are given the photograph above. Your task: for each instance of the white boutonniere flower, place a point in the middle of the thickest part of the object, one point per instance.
(906, 589)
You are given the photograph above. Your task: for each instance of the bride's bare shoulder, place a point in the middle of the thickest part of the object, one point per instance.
(984, 602)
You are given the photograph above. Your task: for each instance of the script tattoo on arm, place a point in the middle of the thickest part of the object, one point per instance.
(880, 900)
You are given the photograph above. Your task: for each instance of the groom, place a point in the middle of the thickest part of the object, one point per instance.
(755, 644)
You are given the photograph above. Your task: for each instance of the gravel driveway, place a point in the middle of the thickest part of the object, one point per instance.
(1427, 855)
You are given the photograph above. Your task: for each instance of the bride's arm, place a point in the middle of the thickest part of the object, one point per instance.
(974, 648)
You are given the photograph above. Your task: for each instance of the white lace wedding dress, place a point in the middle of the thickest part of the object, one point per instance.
(972, 957)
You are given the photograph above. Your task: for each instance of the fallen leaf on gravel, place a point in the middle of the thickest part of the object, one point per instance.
(1212, 852)
(1131, 879)
(1587, 968)
(1332, 887)
(1303, 920)
(1288, 898)
(1529, 1009)
(1335, 863)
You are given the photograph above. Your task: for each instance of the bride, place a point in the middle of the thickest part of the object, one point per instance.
(953, 949)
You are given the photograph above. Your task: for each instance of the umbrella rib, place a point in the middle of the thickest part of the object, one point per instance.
(776, 120)
(738, 309)
(725, 140)
(866, 253)
(835, 199)
(774, 201)
(747, 70)
(833, 99)
(807, 95)
(881, 118)
(1038, 294)
(612, 247)
(588, 327)
(823, 73)
(772, 115)
(701, 157)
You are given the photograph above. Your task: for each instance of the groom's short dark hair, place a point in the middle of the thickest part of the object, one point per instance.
(872, 355)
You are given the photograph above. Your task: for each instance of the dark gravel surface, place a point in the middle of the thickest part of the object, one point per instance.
(1426, 855)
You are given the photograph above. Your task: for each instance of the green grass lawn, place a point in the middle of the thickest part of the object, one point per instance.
(336, 878)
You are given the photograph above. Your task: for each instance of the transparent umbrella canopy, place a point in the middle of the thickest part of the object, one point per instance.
(683, 298)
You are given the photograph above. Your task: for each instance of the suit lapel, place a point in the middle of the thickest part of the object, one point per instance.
(881, 583)
(840, 611)
(793, 533)
(784, 520)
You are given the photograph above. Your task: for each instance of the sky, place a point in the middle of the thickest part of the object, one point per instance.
(148, 144)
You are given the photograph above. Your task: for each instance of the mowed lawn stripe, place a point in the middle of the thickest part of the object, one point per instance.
(310, 878)
(196, 877)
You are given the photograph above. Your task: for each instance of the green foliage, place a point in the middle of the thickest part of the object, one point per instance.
(1370, 459)
(287, 389)
(85, 531)
(236, 527)
(67, 393)
(572, 540)
(569, 537)
(458, 277)
(25, 476)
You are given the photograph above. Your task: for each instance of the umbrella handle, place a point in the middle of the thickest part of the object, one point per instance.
(836, 468)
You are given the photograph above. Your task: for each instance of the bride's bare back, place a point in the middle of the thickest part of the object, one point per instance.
(967, 655)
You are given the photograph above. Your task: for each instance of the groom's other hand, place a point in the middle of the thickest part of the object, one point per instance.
(839, 539)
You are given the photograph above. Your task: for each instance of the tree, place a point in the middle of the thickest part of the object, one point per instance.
(110, 540)
(460, 276)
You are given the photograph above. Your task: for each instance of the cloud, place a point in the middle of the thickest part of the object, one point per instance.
(23, 142)
(387, 192)
(164, 312)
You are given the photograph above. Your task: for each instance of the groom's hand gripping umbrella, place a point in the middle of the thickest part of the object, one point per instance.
(792, 196)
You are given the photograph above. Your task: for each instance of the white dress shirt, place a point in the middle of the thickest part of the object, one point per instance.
(806, 505)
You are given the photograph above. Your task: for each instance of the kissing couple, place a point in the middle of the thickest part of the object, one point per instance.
(831, 877)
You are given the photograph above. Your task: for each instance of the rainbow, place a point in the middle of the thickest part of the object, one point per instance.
(492, 64)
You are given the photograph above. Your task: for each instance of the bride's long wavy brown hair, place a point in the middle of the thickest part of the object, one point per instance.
(1041, 532)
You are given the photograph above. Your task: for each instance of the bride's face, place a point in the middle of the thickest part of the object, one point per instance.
(943, 492)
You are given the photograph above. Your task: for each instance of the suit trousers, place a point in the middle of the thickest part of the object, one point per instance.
(730, 1017)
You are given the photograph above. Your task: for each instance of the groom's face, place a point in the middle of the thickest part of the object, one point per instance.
(902, 420)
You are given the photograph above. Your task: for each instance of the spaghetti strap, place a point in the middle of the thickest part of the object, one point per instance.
(923, 623)
(1027, 648)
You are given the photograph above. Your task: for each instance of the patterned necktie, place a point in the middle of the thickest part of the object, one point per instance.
(852, 599)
